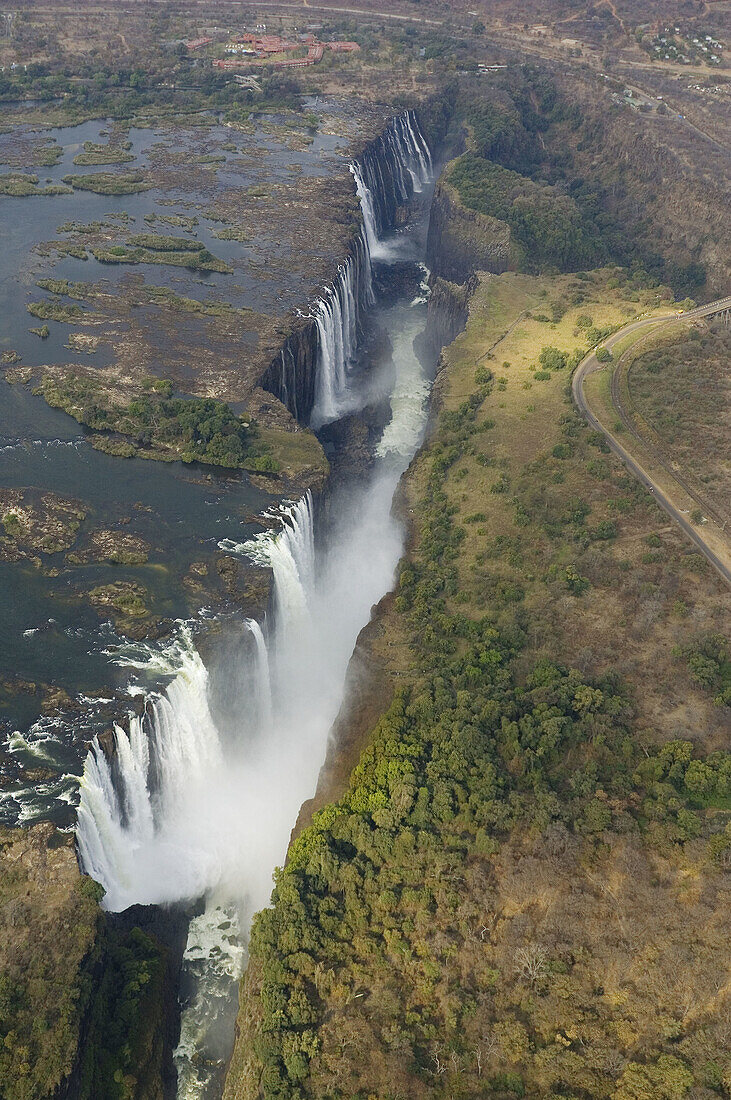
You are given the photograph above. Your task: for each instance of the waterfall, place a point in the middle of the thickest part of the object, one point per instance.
(390, 171)
(262, 675)
(404, 153)
(331, 360)
(290, 552)
(418, 158)
(133, 804)
(312, 373)
(288, 377)
(337, 317)
(365, 196)
(147, 829)
(182, 806)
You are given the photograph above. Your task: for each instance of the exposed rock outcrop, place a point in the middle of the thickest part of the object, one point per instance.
(447, 311)
(462, 241)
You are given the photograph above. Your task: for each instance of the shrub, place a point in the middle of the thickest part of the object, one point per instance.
(605, 529)
(552, 359)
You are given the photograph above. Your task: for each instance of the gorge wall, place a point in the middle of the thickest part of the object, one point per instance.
(462, 241)
(559, 176)
(310, 369)
(666, 182)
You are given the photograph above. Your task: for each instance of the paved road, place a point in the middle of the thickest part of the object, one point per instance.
(591, 364)
(349, 11)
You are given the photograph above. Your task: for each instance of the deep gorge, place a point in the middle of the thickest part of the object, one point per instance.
(198, 797)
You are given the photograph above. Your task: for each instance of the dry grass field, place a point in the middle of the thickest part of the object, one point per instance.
(648, 591)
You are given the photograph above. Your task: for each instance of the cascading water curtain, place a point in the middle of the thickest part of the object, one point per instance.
(405, 154)
(149, 828)
(132, 803)
(155, 821)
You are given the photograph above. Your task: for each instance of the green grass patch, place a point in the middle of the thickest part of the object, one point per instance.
(157, 243)
(233, 233)
(50, 310)
(102, 154)
(19, 185)
(110, 183)
(190, 254)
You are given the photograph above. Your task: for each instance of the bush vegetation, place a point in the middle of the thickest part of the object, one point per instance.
(121, 1051)
(110, 183)
(547, 225)
(147, 248)
(709, 662)
(156, 243)
(20, 184)
(160, 426)
(679, 385)
(50, 309)
(468, 753)
(102, 154)
(75, 993)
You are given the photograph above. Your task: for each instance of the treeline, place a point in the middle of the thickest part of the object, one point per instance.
(92, 91)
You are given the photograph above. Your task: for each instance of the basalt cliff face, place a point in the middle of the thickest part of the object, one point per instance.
(292, 377)
(462, 241)
(447, 310)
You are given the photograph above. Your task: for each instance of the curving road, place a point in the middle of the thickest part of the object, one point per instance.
(591, 364)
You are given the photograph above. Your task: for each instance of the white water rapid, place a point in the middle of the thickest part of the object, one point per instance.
(198, 799)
